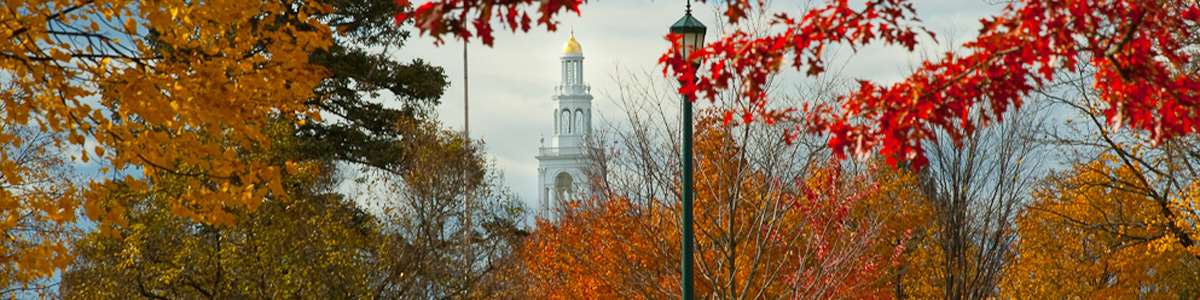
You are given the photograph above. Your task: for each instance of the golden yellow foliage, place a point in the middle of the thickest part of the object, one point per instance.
(38, 208)
(1093, 233)
(155, 85)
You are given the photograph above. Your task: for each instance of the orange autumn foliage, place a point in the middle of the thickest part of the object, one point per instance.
(803, 237)
(597, 249)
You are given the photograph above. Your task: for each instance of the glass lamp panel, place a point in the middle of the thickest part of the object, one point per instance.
(691, 41)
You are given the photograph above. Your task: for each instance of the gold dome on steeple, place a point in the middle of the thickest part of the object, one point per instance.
(572, 46)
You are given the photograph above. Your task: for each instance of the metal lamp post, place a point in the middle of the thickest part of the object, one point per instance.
(693, 37)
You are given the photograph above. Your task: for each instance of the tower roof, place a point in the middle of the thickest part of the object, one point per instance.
(572, 46)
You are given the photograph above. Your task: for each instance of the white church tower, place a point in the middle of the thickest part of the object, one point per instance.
(560, 172)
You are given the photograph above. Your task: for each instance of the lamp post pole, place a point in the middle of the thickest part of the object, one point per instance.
(689, 238)
(692, 32)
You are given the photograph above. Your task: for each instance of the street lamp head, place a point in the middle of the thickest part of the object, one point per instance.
(691, 30)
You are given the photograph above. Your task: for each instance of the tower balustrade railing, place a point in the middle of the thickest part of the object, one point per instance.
(559, 151)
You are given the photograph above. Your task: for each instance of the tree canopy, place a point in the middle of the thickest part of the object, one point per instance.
(192, 91)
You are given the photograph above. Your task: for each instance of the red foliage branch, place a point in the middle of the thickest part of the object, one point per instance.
(1135, 45)
(441, 17)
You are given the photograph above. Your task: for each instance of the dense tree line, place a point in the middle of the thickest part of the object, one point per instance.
(228, 135)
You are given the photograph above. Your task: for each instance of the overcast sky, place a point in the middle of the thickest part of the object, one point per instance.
(511, 83)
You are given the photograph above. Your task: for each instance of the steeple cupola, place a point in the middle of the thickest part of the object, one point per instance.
(572, 46)
(572, 69)
(560, 164)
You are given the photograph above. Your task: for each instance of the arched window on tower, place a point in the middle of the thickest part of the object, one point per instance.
(557, 127)
(564, 122)
(579, 123)
(563, 186)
